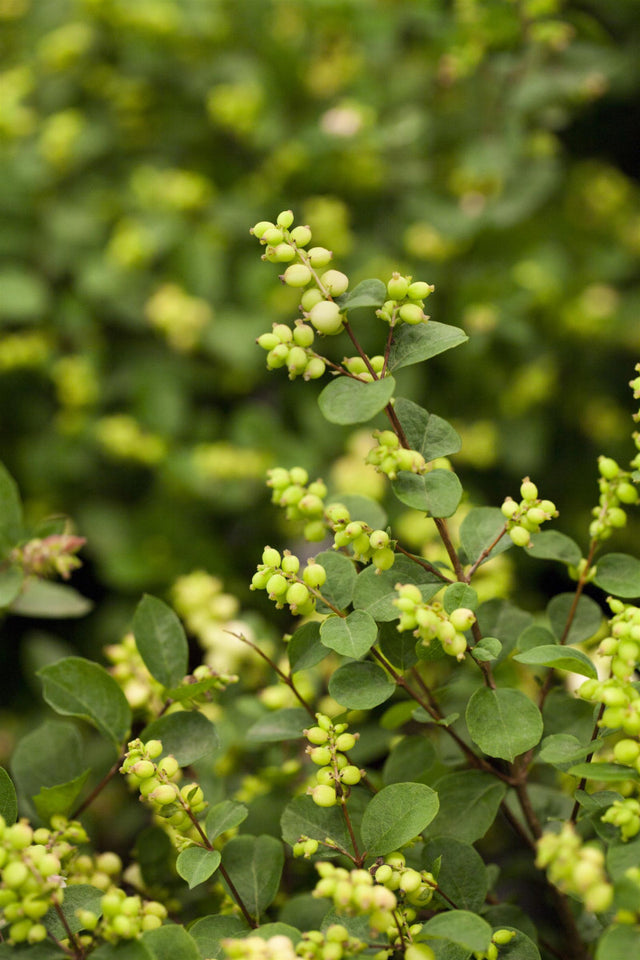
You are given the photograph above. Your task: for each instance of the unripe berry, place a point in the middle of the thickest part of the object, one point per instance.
(626, 751)
(297, 275)
(411, 313)
(420, 290)
(616, 517)
(163, 795)
(316, 735)
(462, 618)
(410, 881)
(277, 586)
(536, 515)
(18, 836)
(335, 282)
(259, 229)
(503, 936)
(268, 341)
(277, 357)
(296, 361)
(383, 559)
(310, 298)
(314, 575)
(15, 874)
(273, 236)
(285, 219)
(300, 236)
(528, 490)
(169, 765)
(143, 769)
(608, 468)
(282, 253)
(626, 493)
(319, 256)
(326, 317)
(419, 951)
(297, 594)
(314, 532)
(350, 775)
(520, 536)
(271, 557)
(345, 742)
(324, 796)
(303, 335)
(290, 563)
(397, 287)
(321, 756)
(379, 539)
(314, 369)
(509, 508)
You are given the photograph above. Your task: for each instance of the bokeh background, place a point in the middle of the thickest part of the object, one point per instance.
(487, 146)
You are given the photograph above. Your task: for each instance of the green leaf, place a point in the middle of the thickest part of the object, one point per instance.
(185, 734)
(413, 344)
(521, 947)
(155, 854)
(563, 749)
(224, 816)
(169, 942)
(462, 876)
(56, 601)
(40, 951)
(125, 950)
(409, 760)
(11, 580)
(302, 817)
(367, 293)
(469, 802)
(459, 595)
(398, 648)
(209, 931)
(161, 641)
(437, 493)
(254, 865)
(196, 864)
(360, 685)
(466, 929)
(304, 649)
(49, 755)
(619, 942)
(352, 636)
(498, 618)
(11, 529)
(427, 433)
(535, 636)
(586, 621)
(277, 929)
(375, 591)
(619, 574)
(341, 579)
(8, 798)
(346, 401)
(553, 545)
(363, 508)
(76, 687)
(397, 814)
(487, 650)
(621, 857)
(77, 896)
(490, 720)
(605, 772)
(479, 529)
(186, 692)
(285, 724)
(559, 658)
(59, 799)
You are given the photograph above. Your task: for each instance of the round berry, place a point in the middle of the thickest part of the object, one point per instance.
(297, 275)
(319, 256)
(277, 586)
(285, 219)
(324, 796)
(261, 227)
(411, 313)
(528, 490)
(520, 536)
(309, 299)
(608, 468)
(420, 290)
(314, 369)
(383, 559)
(397, 287)
(303, 335)
(300, 236)
(335, 282)
(326, 317)
(314, 575)
(271, 557)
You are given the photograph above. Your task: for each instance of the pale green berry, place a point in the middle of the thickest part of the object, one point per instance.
(311, 506)
(314, 532)
(321, 756)
(420, 290)
(285, 219)
(164, 794)
(410, 881)
(296, 361)
(520, 536)
(297, 595)
(283, 332)
(528, 490)
(326, 317)
(314, 369)
(15, 874)
(383, 559)
(355, 365)
(335, 282)
(290, 563)
(300, 236)
(273, 236)
(260, 579)
(310, 847)
(316, 735)
(37, 933)
(271, 557)
(324, 796)
(350, 775)
(536, 515)
(319, 256)
(409, 591)
(377, 363)
(153, 748)
(627, 493)
(268, 341)
(314, 575)
(297, 275)
(143, 769)
(360, 544)
(277, 586)
(626, 751)
(259, 229)
(549, 507)
(277, 357)
(509, 508)
(411, 313)
(608, 468)
(616, 517)
(325, 776)
(299, 476)
(345, 742)
(397, 287)
(379, 539)
(462, 618)
(384, 873)
(303, 335)
(283, 253)
(310, 298)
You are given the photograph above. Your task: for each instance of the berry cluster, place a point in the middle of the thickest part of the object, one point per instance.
(499, 939)
(367, 544)
(49, 557)
(412, 887)
(524, 518)
(278, 575)
(334, 943)
(624, 814)
(278, 947)
(328, 744)
(356, 893)
(122, 917)
(358, 367)
(176, 806)
(575, 868)
(302, 500)
(616, 489)
(389, 457)
(293, 349)
(406, 301)
(623, 642)
(430, 621)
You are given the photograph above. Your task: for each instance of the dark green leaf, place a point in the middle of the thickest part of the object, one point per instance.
(397, 814)
(427, 433)
(487, 650)
(76, 687)
(459, 595)
(161, 641)
(466, 929)
(563, 749)
(209, 931)
(413, 344)
(302, 817)
(186, 735)
(341, 579)
(285, 724)
(196, 864)
(605, 772)
(479, 529)
(535, 636)
(125, 950)
(277, 929)
(409, 760)
(469, 802)
(351, 636)
(586, 620)
(462, 876)
(619, 574)
(304, 649)
(619, 942)
(11, 580)
(305, 910)
(559, 658)
(11, 530)
(437, 492)
(224, 816)
(186, 692)
(77, 896)
(347, 401)
(363, 509)
(169, 942)
(155, 854)
(489, 717)
(8, 799)
(49, 755)
(59, 799)
(254, 865)
(368, 293)
(56, 601)
(622, 857)
(553, 545)
(375, 592)
(360, 685)
(498, 618)
(521, 947)
(398, 648)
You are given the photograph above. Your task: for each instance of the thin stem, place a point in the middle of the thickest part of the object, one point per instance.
(287, 679)
(443, 530)
(583, 781)
(98, 788)
(485, 553)
(425, 564)
(76, 946)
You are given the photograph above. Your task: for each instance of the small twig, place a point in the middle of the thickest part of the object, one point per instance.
(287, 679)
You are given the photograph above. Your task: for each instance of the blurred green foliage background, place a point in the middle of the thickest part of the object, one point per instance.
(486, 146)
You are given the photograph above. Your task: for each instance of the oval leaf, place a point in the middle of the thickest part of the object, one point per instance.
(341, 579)
(469, 802)
(186, 735)
(224, 816)
(161, 641)
(490, 718)
(10, 511)
(619, 574)
(8, 798)
(254, 865)
(559, 658)
(413, 344)
(368, 293)
(397, 814)
(285, 724)
(466, 929)
(302, 817)
(304, 649)
(77, 896)
(585, 622)
(59, 799)
(360, 685)
(169, 942)
(427, 433)
(197, 864)
(375, 591)
(76, 687)
(351, 636)
(479, 532)
(346, 400)
(51, 601)
(553, 545)
(438, 492)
